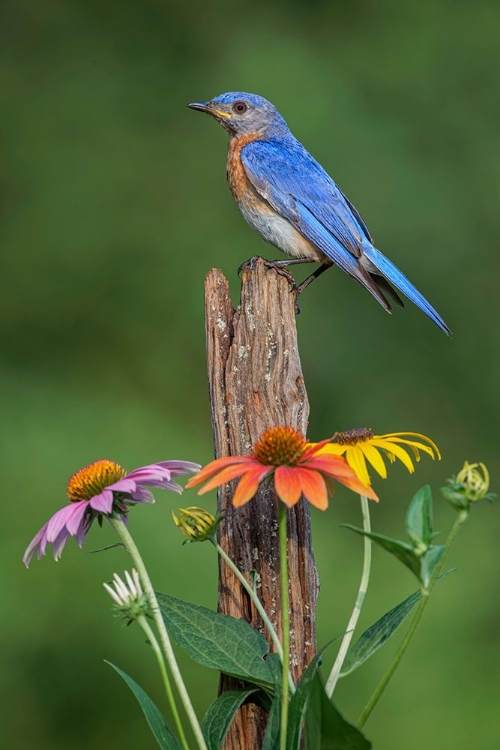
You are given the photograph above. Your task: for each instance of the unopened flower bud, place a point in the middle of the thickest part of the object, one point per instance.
(128, 596)
(196, 523)
(470, 485)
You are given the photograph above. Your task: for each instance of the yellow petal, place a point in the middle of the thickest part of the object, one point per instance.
(356, 460)
(333, 448)
(414, 434)
(392, 450)
(374, 458)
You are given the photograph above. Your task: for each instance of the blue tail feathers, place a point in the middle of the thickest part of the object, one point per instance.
(396, 277)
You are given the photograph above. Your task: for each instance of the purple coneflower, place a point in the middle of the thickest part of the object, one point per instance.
(98, 490)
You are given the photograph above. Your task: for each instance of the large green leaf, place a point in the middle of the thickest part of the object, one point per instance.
(419, 518)
(420, 564)
(157, 723)
(218, 641)
(325, 728)
(299, 704)
(403, 551)
(220, 715)
(272, 735)
(379, 633)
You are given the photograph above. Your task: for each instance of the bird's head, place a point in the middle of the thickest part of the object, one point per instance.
(243, 114)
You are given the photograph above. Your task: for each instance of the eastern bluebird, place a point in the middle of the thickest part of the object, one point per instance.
(291, 201)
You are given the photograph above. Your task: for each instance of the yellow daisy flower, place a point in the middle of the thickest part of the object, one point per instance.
(362, 447)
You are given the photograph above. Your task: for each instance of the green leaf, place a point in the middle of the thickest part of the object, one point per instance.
(218, 641)
(157, 723)
(299, 703)
(272, 735)
(420, 564)
(419, 518)
(379, 633)
(428, 562)
(325, 728)
(403, 551)
(219, 716)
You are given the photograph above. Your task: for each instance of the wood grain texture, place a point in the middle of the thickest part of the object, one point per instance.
(256, 382)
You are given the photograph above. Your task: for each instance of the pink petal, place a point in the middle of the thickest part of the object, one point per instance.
(123, 485)
(73, 523)
(58, 522)
(146, 473)
(103, 502)
(178, 468)
(142, 495)
(58, 544)
(36, 546)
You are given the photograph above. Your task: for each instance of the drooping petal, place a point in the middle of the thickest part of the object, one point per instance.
(142, 495)
(103, 502)
(179, 468)
(226, 475)
(74, 520)
(354, 484)
(123, 485)
(403, 438)
(59, 542)
(214, 466)
(356, 459)
(313, 448)
(334, 449)
(394, 450)
(59, 521)
(287, 484)
(313, 487)
(147, 473)
(35, 546)
(249, 484)
(328, 464)
(374, 458)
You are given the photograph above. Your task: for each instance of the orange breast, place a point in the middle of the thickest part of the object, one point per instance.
(236, 175)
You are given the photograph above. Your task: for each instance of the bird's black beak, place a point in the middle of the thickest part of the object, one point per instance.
(201, 107)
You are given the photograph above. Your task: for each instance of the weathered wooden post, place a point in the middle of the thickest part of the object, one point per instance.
(256, 382)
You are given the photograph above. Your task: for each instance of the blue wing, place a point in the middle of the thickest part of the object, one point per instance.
(299, 189)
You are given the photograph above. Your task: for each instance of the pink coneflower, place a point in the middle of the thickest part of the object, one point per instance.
(98, 490)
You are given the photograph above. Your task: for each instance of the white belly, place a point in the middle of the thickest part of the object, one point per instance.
(277, 230)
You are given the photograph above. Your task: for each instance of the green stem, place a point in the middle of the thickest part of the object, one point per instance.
(363, 586)
(134, 553)
(460, 520)
(258, 606)
(166, 681)
(285, 621)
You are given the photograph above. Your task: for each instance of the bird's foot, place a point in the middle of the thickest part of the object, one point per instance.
(278, 265)
(248, 265)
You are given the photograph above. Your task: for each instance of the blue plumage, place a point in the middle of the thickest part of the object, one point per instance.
(287, 196)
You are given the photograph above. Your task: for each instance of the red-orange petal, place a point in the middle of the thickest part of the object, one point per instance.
(354, 484)
(249, 484)
(226, 475)
(214, 466)
(314, 487)
(334, 466)
(287, 485)
(313, 448)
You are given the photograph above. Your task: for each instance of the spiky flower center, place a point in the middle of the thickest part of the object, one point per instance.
(353, 437)
(279, 446)
(93, 479)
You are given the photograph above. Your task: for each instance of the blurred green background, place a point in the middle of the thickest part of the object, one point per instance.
(114, 206)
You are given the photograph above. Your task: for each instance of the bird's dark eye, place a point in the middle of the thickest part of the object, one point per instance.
(240, 108)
